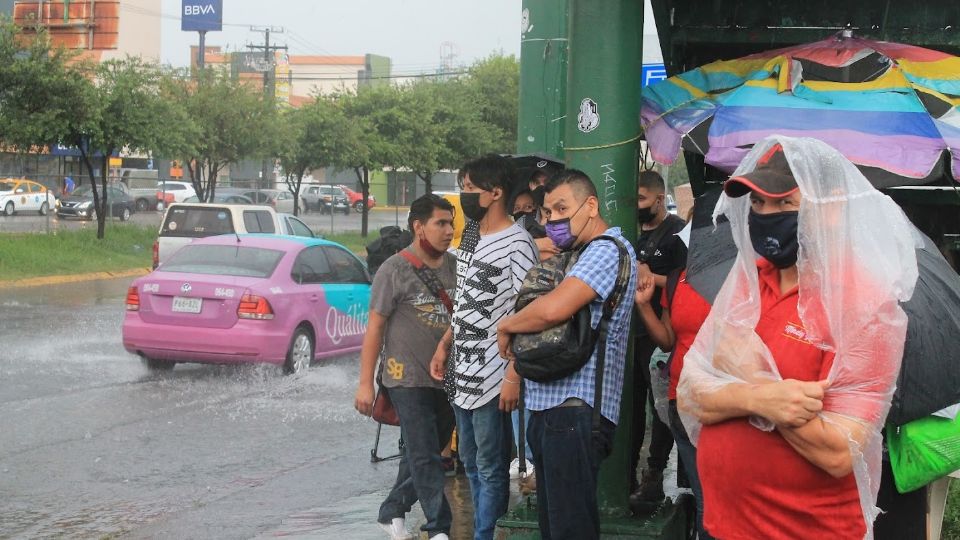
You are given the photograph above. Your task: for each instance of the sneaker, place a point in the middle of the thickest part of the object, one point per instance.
(397, 529)
(440, 536)
(515, 468)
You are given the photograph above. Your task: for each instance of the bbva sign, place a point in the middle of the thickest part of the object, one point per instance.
(201, 15)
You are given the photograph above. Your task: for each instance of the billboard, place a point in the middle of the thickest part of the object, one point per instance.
(201, 15)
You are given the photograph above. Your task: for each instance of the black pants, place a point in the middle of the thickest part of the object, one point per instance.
(661, 438)
(567, 455)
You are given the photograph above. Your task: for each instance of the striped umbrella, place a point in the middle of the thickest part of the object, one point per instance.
(891, 109)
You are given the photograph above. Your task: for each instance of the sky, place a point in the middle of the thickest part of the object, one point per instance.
(410, 32)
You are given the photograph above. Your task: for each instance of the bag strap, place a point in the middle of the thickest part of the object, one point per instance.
(619, 287)
(429, 278)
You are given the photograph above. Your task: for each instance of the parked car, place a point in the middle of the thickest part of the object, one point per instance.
(280, 200)
(249, 299)
(355, 199)
(227, 198)
(169, 192)
(325, 199)
(79, 204)
(25, 196)
(184, 222)
(142, 186)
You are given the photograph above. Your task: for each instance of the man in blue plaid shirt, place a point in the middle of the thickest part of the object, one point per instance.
(566, 454)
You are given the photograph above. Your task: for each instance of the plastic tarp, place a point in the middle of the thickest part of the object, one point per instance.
(857, 261)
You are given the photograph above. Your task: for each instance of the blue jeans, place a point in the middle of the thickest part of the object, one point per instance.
(515, 418)
(687, 453)
(567, 456)
(426, 423)
(483, 444)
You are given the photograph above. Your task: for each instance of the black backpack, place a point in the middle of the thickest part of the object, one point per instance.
(392, 239)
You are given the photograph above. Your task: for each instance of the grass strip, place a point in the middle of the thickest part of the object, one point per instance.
(68, 252)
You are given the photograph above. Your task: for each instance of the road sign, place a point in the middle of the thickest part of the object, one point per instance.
(201, 15)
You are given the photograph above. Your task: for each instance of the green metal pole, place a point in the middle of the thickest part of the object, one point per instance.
(543, 77)
(603, 109)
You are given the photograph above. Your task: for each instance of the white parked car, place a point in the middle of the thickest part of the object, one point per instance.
(170, 192)
(184, 222)
(25, 196)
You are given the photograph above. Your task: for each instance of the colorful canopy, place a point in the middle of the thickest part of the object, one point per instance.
(887, 107)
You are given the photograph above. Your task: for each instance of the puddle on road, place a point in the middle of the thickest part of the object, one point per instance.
(356, 517)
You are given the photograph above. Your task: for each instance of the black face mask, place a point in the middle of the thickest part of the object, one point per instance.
(518, 215)
(646, 215)
(774, 237)
(470, 202)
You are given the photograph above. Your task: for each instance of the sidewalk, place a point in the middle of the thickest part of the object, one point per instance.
(74, 278)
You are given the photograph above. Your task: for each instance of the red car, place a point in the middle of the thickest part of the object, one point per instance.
(355, 199)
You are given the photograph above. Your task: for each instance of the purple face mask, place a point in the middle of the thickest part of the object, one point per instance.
(559, 232)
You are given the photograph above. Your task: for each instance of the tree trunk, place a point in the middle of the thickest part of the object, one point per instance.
(212, 169)
(93, 186)
(196, 171)
(427, 178)
(103, 213)
(363, 178)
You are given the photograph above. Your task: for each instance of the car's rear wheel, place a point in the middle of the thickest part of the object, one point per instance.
(300, 353)
(358, 207)
(44, 208)
(8, 209)
(142, 205)
(125, 214)
(158, 365)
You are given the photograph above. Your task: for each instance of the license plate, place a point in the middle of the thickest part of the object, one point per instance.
(187, 305)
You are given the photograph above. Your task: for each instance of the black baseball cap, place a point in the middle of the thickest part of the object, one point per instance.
(772, 177)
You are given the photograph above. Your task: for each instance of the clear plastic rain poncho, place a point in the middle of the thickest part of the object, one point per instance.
(857, 260)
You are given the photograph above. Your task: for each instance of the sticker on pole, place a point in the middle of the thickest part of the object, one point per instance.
(588, 119)
(525, 25)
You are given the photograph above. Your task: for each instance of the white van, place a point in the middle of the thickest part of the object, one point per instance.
(183, 222)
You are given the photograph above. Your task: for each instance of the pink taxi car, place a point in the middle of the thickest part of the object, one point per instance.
(249, 298)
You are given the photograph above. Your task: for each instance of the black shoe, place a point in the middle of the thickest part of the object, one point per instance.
(649, 496)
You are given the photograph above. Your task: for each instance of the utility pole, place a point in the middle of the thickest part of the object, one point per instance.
(269, 75)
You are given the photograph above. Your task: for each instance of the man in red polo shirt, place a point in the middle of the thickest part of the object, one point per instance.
(787, 441)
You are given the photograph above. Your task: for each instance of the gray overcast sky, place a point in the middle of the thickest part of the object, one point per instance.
(410, 32)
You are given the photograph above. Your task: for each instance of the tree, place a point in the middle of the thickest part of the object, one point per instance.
(441, 128)
(494, 84)
(231, 121)
(375, 119)
(319, 134)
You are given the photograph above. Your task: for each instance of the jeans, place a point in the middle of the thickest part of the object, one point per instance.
(687, 453)
(661, 438)
(426, 423)
(567, 456)
(515, 418)
(484, 444)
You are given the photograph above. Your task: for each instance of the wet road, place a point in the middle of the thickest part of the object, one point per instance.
(319, 223)
(95, 446)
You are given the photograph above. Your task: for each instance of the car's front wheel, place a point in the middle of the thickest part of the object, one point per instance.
(8, 209)
(44, 208)
(300, 353)
(158, 365)
(125, 214)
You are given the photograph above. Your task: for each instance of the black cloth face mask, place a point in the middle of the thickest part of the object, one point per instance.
(470, 202)
(774, 237)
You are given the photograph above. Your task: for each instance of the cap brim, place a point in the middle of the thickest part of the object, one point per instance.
(760, 182)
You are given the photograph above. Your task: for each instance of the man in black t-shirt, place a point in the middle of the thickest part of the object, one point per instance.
(659, 252)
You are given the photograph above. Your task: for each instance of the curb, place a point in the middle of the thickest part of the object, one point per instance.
(57, 280)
